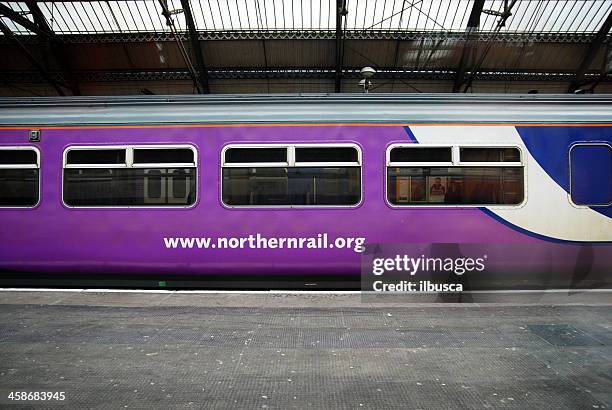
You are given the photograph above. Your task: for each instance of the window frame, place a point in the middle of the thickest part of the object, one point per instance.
(291, 163)
(419, 164)
(455, 162)
(25, 166)
(569, 162)
(129, 163)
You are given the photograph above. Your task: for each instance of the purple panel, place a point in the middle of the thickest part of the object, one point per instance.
(54, 238)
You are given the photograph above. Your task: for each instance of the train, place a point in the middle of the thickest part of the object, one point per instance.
(282, 185)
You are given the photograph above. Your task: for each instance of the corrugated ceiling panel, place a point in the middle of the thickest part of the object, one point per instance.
(300, 53)
(243, 53)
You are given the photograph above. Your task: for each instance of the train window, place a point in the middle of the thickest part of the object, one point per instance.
(312, 176)
(19, 176)
(163, 155)
(95, 156)
(18, 156)
(420, 154)
(318, 154)
(591, 174)
(477, 154)
(252, 155)
(496, 183)
(151, 176)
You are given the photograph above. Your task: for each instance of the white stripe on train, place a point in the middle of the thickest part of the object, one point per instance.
(547, 210)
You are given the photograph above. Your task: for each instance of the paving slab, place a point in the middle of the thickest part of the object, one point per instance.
(262, 350)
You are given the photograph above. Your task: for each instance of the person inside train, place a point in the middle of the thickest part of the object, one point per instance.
(437, 188)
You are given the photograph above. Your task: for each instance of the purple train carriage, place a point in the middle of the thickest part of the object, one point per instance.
(293, 185)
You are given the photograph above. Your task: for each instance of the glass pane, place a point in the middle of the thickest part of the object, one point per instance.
(17, 157)
(18, 187)
(124, 187)
(154, 183)
(96, 156)
(416, 154)
(591, 173)
(322, 154)
(249, 155)
(159, 156)
(292, 186)
(457, 185)
(255, 186)
(179, 183)
(325, 186)
(490, 155)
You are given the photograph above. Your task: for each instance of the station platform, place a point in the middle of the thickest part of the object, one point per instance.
(167, 349)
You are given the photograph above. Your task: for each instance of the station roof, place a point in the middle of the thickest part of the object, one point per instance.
(267, 46)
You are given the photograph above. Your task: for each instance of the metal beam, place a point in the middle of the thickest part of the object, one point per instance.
(38, 16)
(606, 69)
(390, 35)
(395, 60)
(55, 45)
(472, 26)
(167, 13)
(340, 13)
(503, 17)
(24, 22)
(598, 41)
(317, 73)
(195, 47)
(39, 67)
(46, 37)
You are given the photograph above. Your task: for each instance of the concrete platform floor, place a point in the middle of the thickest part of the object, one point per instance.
(263, 350)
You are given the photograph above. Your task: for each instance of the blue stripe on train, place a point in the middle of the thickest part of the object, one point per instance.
(411, 135)
(550, 146)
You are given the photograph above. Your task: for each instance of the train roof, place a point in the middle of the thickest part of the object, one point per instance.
(306, 109)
